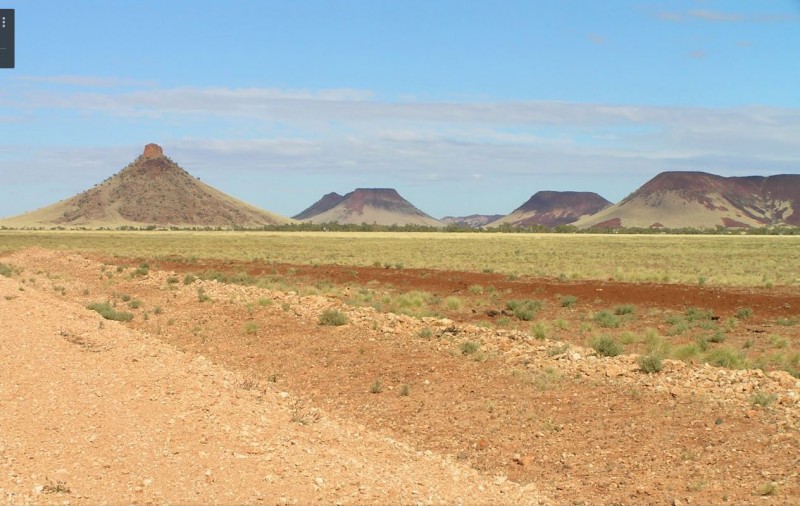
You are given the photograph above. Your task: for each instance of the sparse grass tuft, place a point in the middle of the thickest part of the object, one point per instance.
(624, 309)
(743, 313)
(469, 347)
(606, 346)
(762, 399)
(650, 363)
(332, 317)
(525, 310)
(425, 333)
(607, 320)
(109, 313)
(251, 327)
(405, 390)
(376, 386)
(725, 357)
(568, 301)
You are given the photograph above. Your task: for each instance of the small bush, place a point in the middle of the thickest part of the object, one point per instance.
(142, 270)
(376, 386)
(606, 346)
(476, 289)
(135, 304)
(251, 328)
(452, 303)
(694, 314)
(743, 313)
(525, 310)
(201, 295)
(725, 357)
(6, 270)
(650, 363)
(469, 347)
(786, 322)
(425, 333)
(540, 331)
(624, 309)
(332, 317)
(109, 313)
(188, 279)
(171, 280)
(717, 337)
(607, 320)
(568, 301)
(405, 390)
(759, 398)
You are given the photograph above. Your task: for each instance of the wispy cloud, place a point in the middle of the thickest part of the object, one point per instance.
(85, 81)
(596, 39)
(715, 16)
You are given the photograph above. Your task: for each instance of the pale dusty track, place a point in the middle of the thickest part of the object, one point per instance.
(116, 416)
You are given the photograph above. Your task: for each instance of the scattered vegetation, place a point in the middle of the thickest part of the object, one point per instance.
(650, 364)
(469, 347)
(606, 346)
(568, 301)
(376, 387)
(109, 313)
(332, 317)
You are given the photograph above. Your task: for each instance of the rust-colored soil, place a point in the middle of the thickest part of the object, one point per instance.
(184, 401)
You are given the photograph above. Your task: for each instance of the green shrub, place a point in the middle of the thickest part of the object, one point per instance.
(694, 314)
(568, 301)
(525, 310)
(606, 346)
(405, 390)
(425, 333)
(332, 317)
(6, 270)
(452, 303)
(650, 363)
(762, 399)
(540, 331)
(607, 320)
(476, 289)
(725, 357)
(624, 309)
(188, 279)
(469, 347)
(376, 386)
(744, 312)
(251, 327)
(142, 270)
(109, 313)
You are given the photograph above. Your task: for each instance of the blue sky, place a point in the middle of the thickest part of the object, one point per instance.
(462, 106)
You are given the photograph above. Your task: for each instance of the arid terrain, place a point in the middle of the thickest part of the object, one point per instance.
(218, 390)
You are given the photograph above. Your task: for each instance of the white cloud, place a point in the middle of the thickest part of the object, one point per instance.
(85, 81)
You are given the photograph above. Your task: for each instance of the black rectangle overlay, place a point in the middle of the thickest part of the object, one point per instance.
(6, 38)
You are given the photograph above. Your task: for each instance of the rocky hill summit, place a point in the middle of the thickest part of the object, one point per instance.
(700, 199)
(380, 206)
(553, 208)
(152, 190)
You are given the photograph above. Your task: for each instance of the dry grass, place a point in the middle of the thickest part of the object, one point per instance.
(717, 260)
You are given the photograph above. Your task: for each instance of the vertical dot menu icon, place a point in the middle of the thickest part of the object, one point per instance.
(6, 38)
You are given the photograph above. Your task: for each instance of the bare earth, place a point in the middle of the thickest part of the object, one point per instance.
(191, 405)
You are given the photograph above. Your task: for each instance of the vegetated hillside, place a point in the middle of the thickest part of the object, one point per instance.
(380, 206)
(471, 221)
(327, 202)
(553, 208)
(702, 200)
(153, 190)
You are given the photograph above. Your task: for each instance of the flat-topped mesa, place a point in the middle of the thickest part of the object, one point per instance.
(153, 151)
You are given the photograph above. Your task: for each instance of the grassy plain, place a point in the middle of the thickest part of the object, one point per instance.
(758, 261)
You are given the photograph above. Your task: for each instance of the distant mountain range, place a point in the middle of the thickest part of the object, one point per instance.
(154, 190)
